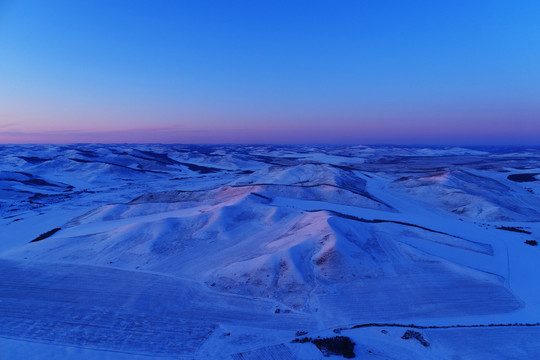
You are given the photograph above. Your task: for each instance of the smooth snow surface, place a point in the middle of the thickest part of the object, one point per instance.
(226, 252)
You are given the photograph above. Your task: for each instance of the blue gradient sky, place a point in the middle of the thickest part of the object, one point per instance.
(430, 72)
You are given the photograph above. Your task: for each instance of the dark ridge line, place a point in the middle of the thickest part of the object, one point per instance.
(316, 185)
(22, 173)
(174, 191)
(149, 159)
(200, 168)
(269, 184)
(166, 160)
(425, 327)
(262, 196)
(88, 153)
(36, 182)
(122, 166)
(346, 167)
(341, 167)
(33, 159)
(194, 191)
(203, 149)
(162, 158)
(287, 162)
(288, 185)
(490, 253)
(271, 160)
(300, 162)
(378, 221)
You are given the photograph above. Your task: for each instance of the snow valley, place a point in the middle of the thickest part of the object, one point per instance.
(269, 252)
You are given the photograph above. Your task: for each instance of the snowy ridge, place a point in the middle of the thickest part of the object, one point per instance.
(228, 251)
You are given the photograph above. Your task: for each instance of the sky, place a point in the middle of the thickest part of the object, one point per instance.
(334, 72)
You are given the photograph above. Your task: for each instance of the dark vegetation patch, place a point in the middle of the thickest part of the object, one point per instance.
(514, 229)
(46, 234)
(523, 177)
(337, 345)
(302, 340)
(413, 326)
(411, 334)
(531, 242)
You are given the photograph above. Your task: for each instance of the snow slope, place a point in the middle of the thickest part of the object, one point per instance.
(180, 251)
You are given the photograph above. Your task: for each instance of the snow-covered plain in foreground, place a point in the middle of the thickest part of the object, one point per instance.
(233, 252)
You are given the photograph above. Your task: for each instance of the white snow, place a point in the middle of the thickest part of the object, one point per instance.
(171, 251)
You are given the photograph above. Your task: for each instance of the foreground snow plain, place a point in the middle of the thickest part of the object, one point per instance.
(227, 252)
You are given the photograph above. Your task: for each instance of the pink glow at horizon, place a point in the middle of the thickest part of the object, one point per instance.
(339, 133)
(430, 124)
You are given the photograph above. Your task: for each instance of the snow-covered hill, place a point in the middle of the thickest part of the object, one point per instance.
(215, 252)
